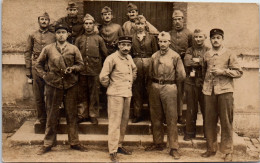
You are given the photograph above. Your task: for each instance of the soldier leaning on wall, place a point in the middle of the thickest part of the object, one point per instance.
(35, 43)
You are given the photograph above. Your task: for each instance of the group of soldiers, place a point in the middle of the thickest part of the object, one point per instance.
(69, 59)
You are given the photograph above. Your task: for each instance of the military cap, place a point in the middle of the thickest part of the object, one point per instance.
(164, 35)
(106, 9)
(177, 13)
(216, 31)
(61, 26)
(72, 5)
(88, 17)
(125, 39)
(131, 7)
(140, 18)
(46, 15)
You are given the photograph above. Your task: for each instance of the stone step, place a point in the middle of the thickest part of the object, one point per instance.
(140, 128)
(26, 136)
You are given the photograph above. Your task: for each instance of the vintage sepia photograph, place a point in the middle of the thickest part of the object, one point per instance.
(130, 81)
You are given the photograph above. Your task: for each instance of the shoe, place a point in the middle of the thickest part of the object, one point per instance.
(80, 120)
(43, 150)
(113, 157)
(154, 147)
(175, 154)
(208, 154)
(124, 151)
(181, 120)
(228, 157)
(136, 119)
(94, 120)
(78, 147)
(188, 137)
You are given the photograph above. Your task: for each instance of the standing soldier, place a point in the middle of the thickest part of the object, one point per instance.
(181, 39)
(118, 74)
(93, 51)
(129, 26)
(73, 21)
(193, 82)
(221, 66)
(110, 31)
(165, 70)
(35, 43)
(64, 61)
(144, 45)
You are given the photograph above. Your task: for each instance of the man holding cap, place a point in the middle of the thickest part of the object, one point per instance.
(165, 70)
(110, 31)
(144, 45)
(118, 74)
(129, 26)
(220, 67)
(35, 43)
(64, 62)
(181, 39)
(93, 51)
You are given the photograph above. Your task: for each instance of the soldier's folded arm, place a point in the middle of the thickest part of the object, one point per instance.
(234, 69)
(40, 63)
(79, 64)
(106, 71)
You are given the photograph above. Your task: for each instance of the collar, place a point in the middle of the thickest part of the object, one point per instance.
(89, 34)
(121, 56)
(107, 23)
(219, 52)
(61, 47)
(72, 19)
(164, 52)
(43, 31)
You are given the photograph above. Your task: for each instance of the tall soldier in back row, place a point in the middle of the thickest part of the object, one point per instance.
(35, 43)
(181, 40)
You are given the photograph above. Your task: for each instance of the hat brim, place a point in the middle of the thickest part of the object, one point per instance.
(126, 41)
(56, 29)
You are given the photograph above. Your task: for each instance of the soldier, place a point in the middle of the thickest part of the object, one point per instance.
(181, 39)
(194, 81)
(73, 21)
(93, 50)
(35, 43)
(110, 31)
(64, 61)
(221, 66)
(144, 45)
(118, 74)
(165, 70)
(129, 26)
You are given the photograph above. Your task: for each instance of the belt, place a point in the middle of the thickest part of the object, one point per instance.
(162, 82)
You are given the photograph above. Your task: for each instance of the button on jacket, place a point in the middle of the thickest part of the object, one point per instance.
(117, 74)
(58, 60)
(194, 52)
(168, 66)
(35, 43)
(144, 48)
(180, 41)
(110, 33)
(225, 60)
(93, 51)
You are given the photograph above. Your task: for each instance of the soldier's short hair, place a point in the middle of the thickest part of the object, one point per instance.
(200, 31)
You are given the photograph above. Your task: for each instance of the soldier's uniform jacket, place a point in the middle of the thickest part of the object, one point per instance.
(189, 64)
(58, 60)
(223, 59)
(110, 33)
(180, 41)
(144, 48)
(128, 28)
(35, 43)
(75, 26)
(166, 67)
(118, 74)
(93, 51)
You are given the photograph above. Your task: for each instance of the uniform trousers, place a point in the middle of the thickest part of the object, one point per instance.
(163, 104)
(118, 116)
(140, 85)
(88, 105)
(54, 98)
(194, 96)
(38, 91)
(219, 106)
(180, 96)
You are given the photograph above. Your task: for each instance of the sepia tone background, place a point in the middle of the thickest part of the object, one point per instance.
(239, 21)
